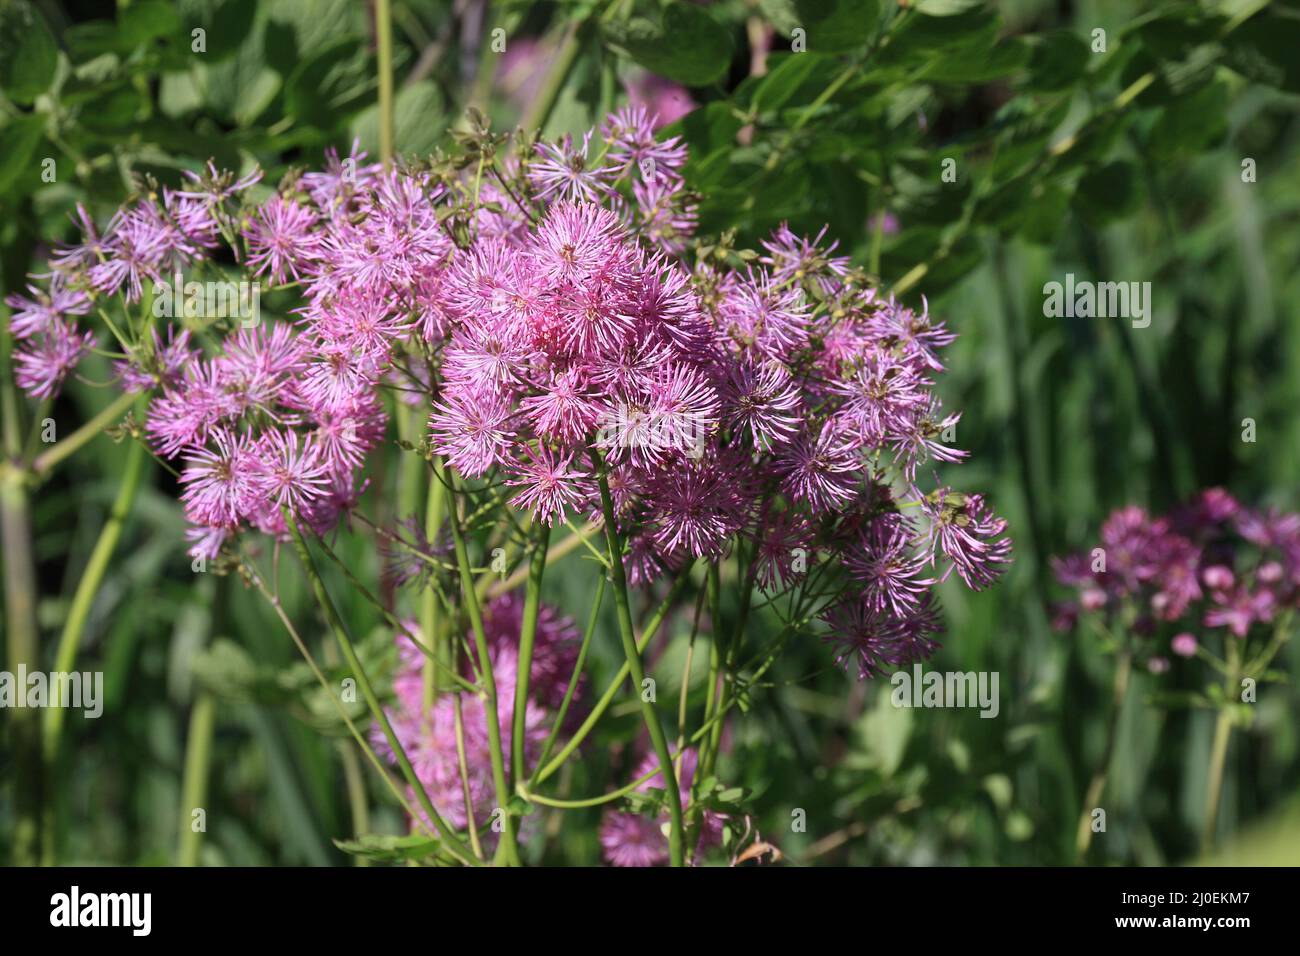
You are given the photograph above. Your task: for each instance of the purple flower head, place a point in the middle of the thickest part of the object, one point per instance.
(43, 361)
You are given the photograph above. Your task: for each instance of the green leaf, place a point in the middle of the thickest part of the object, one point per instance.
(923, 196)
(142, 22)
(836, 26)
(314, 25)
(794, 79)
(227, 25)
(1108, 192)
(114, 109)
(28, 56)
(418, 118)
(883, 733)
(1264, 49)
(781, 14)
(921, 41)
(385, 848)
(998, 787)
(1047, 213)
(322, 82)
(21, 138)
(242, 87)
(1192, 123)
(687, 46)
(708, 129)
(976, 64)
(944, 8)
(1058, 60)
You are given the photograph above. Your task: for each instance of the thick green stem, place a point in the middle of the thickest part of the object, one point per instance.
(449, 838)
(384, 41)
(1219, 749)
(358, 805)
(21, 633)
(1119, 690)
(619, 579)
(74, 627)
(508, 848)
(83, 598)
(570, 544)
(194, 784)
(1214, 778)
(23, 654)
(527, 635)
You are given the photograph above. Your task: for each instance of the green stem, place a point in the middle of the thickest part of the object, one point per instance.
(539, 111)
(65, 447)
(84, 597)
(1214, 777)
(464, 777)
(358, 806)
(1119, 690)
(621, 602)
(507, 849)
(572, 687)
(607, 698)
(1219, 749)
(527, 636)
(745, 573)
(455, 846)
(194, 783)
(589, 801)
(360, 739)
(384, 40)
(74, 627)
(565, 547)
(24, 653)
(21, 632)
(433, 510)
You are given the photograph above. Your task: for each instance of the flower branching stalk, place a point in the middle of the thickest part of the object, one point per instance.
(1235, 669)
(507, 848)
(546, 769)
(527, 635)
(339, 630)
(619, 581)
(430, 623)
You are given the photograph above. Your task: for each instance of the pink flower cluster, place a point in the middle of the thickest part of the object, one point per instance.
(428, 736)
(547, 315)
(636, 839)
(1212, 563)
